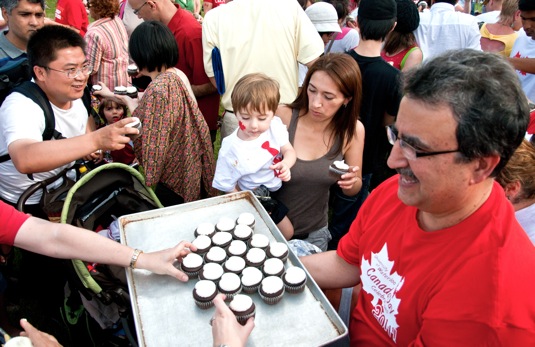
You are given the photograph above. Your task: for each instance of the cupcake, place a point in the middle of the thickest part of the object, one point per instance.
(234, 264)
(246, 218)
(132, 70)
(277, 250)
(294, 280)
(242, 232)
(96, 88)
(225, 224)
(205, 228)
(119, 90)
(271, 290)
(222, 239)
(135, 124)
(191, 264)
(211, 272)
(338, 168)
(203, 244)
(230, 285)
(243, 308)
(203, 293)
(237, 248)
(259, 241)
(131, 92)
(255, 257)
(273, 267)
(250, 279)
(215, 255)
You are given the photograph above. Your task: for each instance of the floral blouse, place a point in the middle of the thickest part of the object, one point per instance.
(174, 147)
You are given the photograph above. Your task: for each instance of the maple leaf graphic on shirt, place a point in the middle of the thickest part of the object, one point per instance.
(517, 55)
(382, 283)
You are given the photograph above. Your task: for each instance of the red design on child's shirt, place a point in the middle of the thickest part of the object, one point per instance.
(274, 152)
(242, 127)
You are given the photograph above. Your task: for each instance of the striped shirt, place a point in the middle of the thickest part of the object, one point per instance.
(107, 52)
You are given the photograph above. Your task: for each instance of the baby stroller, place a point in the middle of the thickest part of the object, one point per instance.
(99, 197)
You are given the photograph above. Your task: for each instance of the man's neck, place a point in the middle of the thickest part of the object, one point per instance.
(169, 10)
(369, 48)
(16, 41)
(438, 221)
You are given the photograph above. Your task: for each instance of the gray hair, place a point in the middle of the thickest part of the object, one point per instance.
(485, 96)
(9, 5)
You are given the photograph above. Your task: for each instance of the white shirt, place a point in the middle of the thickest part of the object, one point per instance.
(526, 218)
(442, 29)
(489, 17)
(524, 47)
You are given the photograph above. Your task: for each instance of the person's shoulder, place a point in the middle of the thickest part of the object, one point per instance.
(284, 113)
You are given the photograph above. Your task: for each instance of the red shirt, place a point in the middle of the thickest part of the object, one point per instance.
(188, 36)
(467, 285)
(216, 3)
(11, 221)
(72, 13)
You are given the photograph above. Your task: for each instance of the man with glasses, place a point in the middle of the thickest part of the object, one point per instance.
(59, 67)
(438, 251)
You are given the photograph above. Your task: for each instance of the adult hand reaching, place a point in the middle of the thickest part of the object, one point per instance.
(225, 327)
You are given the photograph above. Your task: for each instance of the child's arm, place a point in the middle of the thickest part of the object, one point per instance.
(283, 167)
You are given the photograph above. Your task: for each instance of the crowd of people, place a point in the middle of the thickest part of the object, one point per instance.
(426, 104)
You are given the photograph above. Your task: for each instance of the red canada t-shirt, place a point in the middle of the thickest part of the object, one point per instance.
(467, 285)
(11, 221)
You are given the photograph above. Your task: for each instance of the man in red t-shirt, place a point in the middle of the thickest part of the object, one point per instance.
(73, 14)
(438, 251)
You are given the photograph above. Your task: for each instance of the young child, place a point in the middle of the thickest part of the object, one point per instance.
(258, 153)
(112, 112)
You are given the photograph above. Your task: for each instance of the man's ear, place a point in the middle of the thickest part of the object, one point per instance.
(483, 167)
(39, 72)
(512, 190)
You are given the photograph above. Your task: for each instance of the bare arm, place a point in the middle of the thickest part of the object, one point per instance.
(523, 64)
(330, 271)
(414, 59)
(351, 182)
(30, 156)
(68, 242)
(203, 89)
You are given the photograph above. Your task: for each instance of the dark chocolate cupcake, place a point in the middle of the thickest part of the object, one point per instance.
(230, 285)
(205, 228)
(212, 272)
(273, 267)
(237, 248)
(203, 244)
(251, 277)
(294, 280)
(216, 255)
(242, 232)
(191, 265)
(247, 219)
(243, 308)
(222, 239)
(234, 264)
(338, 168)
(277, 250)
(255, 257)
(259, 241)
(271, 290)
(203, 293)
(225, 224)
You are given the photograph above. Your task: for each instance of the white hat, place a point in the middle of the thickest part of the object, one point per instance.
(324, 17)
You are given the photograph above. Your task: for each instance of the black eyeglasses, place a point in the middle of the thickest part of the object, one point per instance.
(409, 151)
(136, 11)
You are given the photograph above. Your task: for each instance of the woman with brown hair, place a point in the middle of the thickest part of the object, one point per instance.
(107, 44)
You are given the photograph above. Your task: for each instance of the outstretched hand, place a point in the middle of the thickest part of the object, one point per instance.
(38, 338)
(163, 262)
(226, 330)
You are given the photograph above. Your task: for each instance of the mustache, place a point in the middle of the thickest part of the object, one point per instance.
(406, 172)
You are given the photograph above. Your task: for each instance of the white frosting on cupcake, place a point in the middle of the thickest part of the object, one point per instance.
(294, 275)
(277, 249)
(271, 284)
(131, 89)
(273, 266)
(216, 254)
(235, 263)
(256, 255)
(237, 247)
(205, 288)
(222, 237)
(340, 164)
(119, 89)
(241, 303)
(205, 228)
(212, 271)
(229, 282)
(96, 87)
(132, 67)
(202, 242)
(259, 240)
(192, 260)
(251, 276)
(246, 218)
(242, 231)
(225, 224)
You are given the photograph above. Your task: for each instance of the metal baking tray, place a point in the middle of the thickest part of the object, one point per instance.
(164, 311)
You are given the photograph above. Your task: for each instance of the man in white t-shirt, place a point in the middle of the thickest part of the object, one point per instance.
(492, 13)
(442, 29)
(59, 67)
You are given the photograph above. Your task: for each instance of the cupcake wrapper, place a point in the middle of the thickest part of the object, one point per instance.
(191, 274)
(243, 319)
(271, 300)
(293, 289)
(251, 289)
(204, 305)
(230, 296)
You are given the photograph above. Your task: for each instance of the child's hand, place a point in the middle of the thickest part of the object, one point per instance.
(282, 171)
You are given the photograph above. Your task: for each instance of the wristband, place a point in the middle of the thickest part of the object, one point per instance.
(135, 256)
